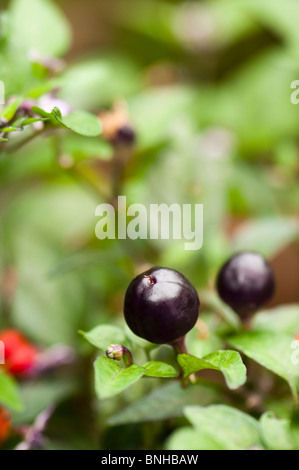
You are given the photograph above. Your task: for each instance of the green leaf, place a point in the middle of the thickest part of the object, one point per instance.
(92, 83)
(153, 19)
(102, 336)
(212, 301)
(9, 129)
(46, 31)
(227, 362)
(271, 350)
(279, 17)
(60, 299)
(294, 426)
(81, 147)
(154, 110)
(224, 428)
(164, 402)
(81, 122)
(37, 395)
(186, 438)
(159, 369)
(268, 236)
(9, 393)
(284, 319)
(41, 112)
(29, 121)
(10, 110)
(3, 140)
(111, 379)
(205, 337)
(276, 433)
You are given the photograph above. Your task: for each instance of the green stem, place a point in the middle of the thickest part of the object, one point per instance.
(18, 145)
(295, 397)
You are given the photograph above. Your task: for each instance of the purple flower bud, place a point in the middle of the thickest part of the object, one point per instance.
(115, 351)
(26, 106)
(3, 122)
(118, 352)
(48, 102)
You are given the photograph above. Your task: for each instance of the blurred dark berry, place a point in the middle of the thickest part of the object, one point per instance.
(125, 136)
(246, 282)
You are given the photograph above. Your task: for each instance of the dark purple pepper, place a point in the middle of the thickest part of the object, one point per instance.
(125, 136)
(246, 282)
(161, 305)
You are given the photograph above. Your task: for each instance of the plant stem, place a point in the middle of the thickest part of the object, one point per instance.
(128, 359)
(18, 145)
(179, 346)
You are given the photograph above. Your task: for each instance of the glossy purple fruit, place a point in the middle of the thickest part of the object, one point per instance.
(246, 282)
(161, 305)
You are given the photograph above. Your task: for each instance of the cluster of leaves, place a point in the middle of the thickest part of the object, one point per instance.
(221, 130)
(214, 426)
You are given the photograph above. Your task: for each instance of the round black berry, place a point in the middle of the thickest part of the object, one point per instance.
(161, 305)
(246, 282)
(125, 136)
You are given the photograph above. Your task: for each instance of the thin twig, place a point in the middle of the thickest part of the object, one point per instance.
(14, 148)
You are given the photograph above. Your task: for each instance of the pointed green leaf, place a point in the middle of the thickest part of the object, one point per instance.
(221, 427)
(9, 393)
(111, 379)
(81, 122)
(102, 336)
(159, 369)
(186, 438)
(46, 31)
(276, 433)
(268, 236)
(37, 395)
(282, 319)
(81, 147)
(165, 402)
(9, 129)
(29, 121)
(41, 112)
(10, 110)
(270, 349)
(227, 362)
